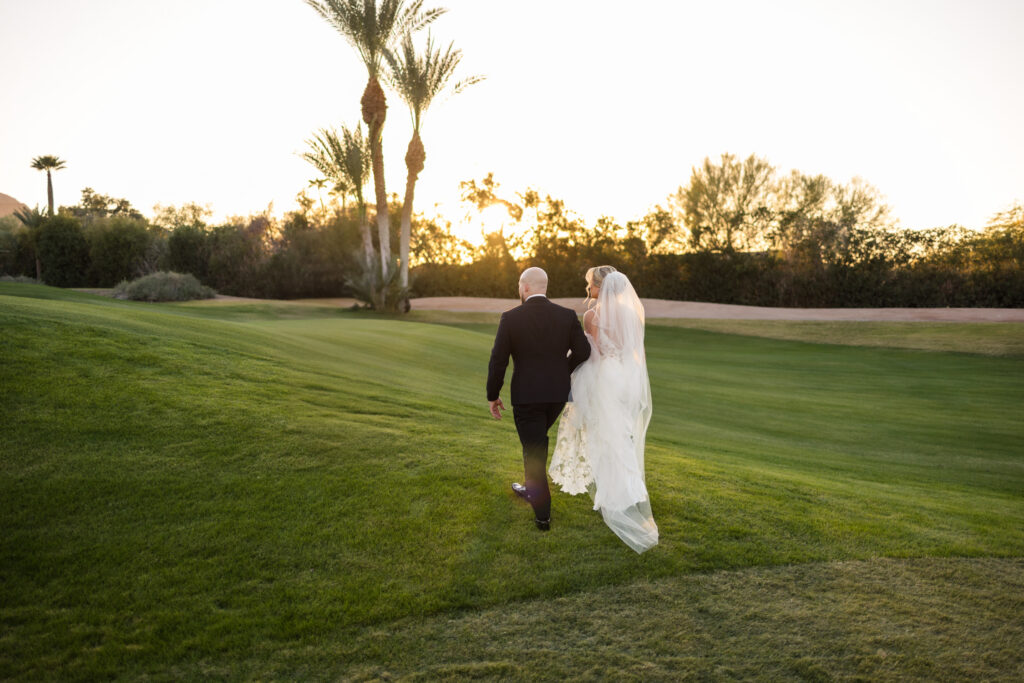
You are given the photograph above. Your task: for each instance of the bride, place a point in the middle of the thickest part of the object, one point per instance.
(600, 445)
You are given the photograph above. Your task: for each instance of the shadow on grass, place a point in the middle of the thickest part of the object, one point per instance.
(884, 619)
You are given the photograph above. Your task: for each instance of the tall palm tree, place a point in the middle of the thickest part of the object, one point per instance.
(49, 163)
(418, 80)
(371, 27)
(346, 161)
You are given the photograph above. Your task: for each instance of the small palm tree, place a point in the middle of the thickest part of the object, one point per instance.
(341, 190)
(372, 27)
(418, 80)
(320, 184)
(33, 219)
(345, 160)
(49, 163)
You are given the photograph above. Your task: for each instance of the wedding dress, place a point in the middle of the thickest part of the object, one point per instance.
(600, 443)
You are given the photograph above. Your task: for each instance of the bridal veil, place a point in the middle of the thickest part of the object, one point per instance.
(600, 445)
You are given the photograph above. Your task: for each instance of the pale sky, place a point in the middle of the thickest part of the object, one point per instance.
(607, 105)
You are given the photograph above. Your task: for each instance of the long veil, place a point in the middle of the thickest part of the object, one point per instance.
(624, 413)
(600, 446)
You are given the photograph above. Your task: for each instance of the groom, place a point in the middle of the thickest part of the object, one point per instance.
(546, 344)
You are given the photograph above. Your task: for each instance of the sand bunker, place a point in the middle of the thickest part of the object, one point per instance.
(661, 308)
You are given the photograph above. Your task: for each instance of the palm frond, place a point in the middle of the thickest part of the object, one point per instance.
(319, 159)
(466, 82)
(341, 187)
(343, 159)
(371, 27)
(414, 18)
(356, 156)
(31, 218)
(48, 162)
(420, 78)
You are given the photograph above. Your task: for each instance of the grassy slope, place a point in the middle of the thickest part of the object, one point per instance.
(193, 489)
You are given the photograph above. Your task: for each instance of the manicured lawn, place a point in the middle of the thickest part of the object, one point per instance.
(286, 491)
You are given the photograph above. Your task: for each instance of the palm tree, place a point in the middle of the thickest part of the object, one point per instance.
(320, 184)
(418, 80)
(371, 27)
(33, 219)
(345, 160)
(341, 189)
(49, 163)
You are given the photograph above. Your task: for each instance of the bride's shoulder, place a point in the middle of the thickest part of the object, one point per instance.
(590, 321)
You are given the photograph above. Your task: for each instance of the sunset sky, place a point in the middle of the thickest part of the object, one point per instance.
(606, 105)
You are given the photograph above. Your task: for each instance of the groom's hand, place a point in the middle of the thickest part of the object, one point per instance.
(496, 407)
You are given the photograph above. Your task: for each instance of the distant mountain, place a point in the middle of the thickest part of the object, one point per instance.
(9, 205)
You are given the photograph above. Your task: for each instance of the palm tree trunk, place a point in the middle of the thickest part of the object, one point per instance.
(406, 236)
(414, 158)
(374, 106)
(375, 292)
(49, 191)
(381, 195)
(364, 229)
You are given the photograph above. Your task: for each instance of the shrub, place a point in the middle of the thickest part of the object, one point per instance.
(164, 286)
(310, 261)
(188, 250)
(117, 249)
(63, 251)
(17, 253)
(237, 253)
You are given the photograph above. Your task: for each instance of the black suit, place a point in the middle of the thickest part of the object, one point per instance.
(546, 343)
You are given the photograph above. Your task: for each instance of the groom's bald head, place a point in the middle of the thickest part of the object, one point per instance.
(533, 281)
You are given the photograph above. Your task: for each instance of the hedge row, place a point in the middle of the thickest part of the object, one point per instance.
(260, 257)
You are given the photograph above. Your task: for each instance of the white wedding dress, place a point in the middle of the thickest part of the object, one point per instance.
(600, 444)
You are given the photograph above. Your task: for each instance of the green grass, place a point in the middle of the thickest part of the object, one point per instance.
(293, 491)
(992, 339)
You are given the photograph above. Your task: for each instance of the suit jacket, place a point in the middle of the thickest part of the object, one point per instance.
(546, 343)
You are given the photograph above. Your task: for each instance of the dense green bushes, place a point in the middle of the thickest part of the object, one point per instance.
(17, 250)
(63, 251)
(117, 249)
(256, 256)
(819, 244)
(874, 267)
(262, 258)
(187, 250)
(822, 264)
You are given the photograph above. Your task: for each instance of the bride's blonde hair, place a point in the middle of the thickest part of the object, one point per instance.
(595, 276)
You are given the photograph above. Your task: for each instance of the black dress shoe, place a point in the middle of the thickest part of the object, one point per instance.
(543, 524)
(521, 491)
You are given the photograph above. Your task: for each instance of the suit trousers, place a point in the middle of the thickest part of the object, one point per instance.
(533, 420)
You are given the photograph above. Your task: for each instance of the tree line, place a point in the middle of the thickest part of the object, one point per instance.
(740, 232)
(102, 241)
